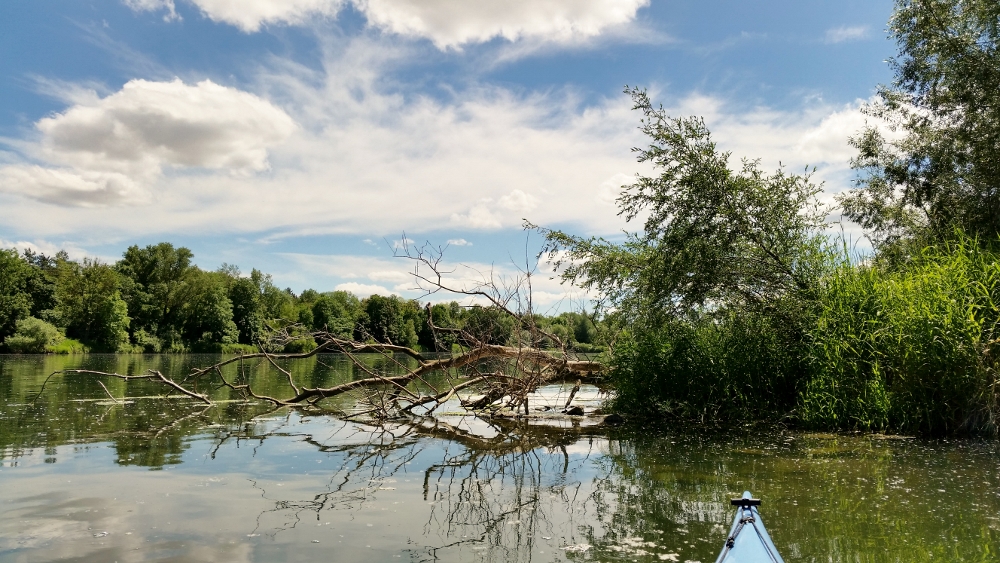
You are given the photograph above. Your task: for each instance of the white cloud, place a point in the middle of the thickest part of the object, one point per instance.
(518, 202)
(372, 162)
(548, 294)
(70, 187)
(250, 15)
(459, 242)
(392, 276)
(107, 151)
(50, 249)
(846, 33)
(364, 290)
(612, 187)
(479, 217)
(447, 23)
(154, 6)
(451, 23)
(205, 125)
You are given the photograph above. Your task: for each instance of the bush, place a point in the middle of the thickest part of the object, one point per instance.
(69, 346)
(33, 336)
(726, 367)
(146, 342)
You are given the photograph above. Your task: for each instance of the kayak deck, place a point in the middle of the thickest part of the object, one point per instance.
(748, 540)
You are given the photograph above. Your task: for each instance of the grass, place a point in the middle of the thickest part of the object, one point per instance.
(68, 346)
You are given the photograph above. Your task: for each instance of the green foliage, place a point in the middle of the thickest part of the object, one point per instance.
(248, 313)
(729, 367)
(712, 236)
(445, 316)
(713, 295)
(389, 319)
(939, 168)
(211, 319)
(15, 300)
(69, 346)
(91, 306)
(911, 347)
(275, 303)
(335, 312)
(155, 282)
(33, 336)
(488, 325)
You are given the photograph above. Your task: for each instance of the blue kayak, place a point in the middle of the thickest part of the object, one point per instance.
(748, 540)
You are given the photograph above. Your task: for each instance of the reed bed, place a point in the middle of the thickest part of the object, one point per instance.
(908, 347)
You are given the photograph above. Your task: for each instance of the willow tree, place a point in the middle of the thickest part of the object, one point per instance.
(712, 292)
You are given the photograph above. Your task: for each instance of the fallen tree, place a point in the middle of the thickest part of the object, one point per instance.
(484, 377)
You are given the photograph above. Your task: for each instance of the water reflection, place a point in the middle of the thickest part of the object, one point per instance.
(234, 482)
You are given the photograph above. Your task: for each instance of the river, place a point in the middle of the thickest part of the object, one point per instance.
(118, 473)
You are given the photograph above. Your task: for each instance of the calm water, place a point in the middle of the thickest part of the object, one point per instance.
(89, 479)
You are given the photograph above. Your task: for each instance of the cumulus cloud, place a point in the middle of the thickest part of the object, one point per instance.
(518, 202)
(250, 15)
(479, 217)
(450, 23)
(204, 125)
(107, 151)
(363, 289)
(847, 33)
(69, 187)
(459, 242)
(447, 23)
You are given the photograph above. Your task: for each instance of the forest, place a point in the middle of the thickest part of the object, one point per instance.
(155, 300)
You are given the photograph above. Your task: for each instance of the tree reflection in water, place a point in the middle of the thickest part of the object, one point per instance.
(492, 491)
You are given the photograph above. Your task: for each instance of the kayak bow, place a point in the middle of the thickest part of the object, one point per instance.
(748, 540)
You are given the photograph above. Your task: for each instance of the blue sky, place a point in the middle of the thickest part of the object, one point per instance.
(298, 136)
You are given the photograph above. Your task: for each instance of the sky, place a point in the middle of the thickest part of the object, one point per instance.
(309, 138)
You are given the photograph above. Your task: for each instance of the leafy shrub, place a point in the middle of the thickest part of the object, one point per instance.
(726, 367)
(33, 336)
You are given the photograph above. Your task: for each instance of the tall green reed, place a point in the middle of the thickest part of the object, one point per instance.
(910, 347)
(724, 367)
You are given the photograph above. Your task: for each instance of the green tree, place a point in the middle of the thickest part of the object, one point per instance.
(712, 236)
(91, 304)
(388, 319)
(155, 287)
(444, 316)
(488, 325)
(41, 284)
(15, 300)
(276, 303)
(210, 321)
(248, 313)
(336, 312)
(939, 169)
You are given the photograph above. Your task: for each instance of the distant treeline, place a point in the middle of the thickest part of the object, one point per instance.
(155, 300)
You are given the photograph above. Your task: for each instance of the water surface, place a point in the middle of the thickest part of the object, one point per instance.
(89, 474)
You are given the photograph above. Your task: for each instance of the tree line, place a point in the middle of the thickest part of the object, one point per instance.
(155, 300)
